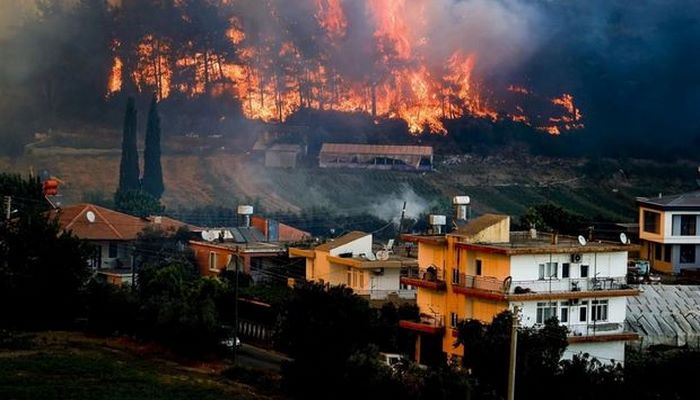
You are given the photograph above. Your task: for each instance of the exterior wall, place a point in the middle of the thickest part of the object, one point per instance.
(123, 260)
(281, 159)
(617, 308)
(202, 254)
(676, 259)
(605, 352)
(664, 226)
(362, 245)
(429, 254)
(525, 268)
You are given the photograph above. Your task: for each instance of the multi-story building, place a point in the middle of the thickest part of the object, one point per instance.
(669, 231)
(351, 260)
(482, 269)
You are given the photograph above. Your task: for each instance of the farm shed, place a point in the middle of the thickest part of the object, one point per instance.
(388, 157)
(283, 155)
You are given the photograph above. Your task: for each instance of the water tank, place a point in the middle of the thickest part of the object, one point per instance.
(437, 222)
(460, 203)
(244, 213)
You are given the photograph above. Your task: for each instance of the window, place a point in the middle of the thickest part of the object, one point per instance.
(657, 251)
(651, 221)
(548, 270)
(477, 262)
(668, 249)
(212, 261)
(454, 320)
(688, 223)
(349, 277)
(564, 312)
(565, 270)
(687, 254)
(584, 271)
(583, 312)
(112, 250)
(599, 310)
(455, 276)
(546, 311)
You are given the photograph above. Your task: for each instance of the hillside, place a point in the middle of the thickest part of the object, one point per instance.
(507, 183)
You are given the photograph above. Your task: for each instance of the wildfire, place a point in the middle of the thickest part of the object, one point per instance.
(273, 77)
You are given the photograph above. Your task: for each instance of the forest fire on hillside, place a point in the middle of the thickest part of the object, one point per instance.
(274, 73)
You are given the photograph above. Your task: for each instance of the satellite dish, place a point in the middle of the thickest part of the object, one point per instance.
(205, 235)
(382, 255)
(623, 238)
(582, 240)
(90, 216)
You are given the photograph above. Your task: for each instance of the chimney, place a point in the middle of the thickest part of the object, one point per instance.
(244, 213)
(437, 222)
(460, 204)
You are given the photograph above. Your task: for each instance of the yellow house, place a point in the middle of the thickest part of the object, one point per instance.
(482, 269)
(668, 231)
(351, 260)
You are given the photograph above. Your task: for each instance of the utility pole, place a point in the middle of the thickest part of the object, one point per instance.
(7, 201)
(403, 214)
(513, 354)
(235, 306)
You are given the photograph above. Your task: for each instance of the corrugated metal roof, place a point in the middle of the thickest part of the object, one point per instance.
(666, 315)
(378, 149)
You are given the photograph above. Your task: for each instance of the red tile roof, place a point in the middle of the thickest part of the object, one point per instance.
(109, 224)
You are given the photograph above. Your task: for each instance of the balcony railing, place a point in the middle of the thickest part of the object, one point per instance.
(428, 323)
(377, 294)
(592, 329)
(431, 278)
(497, 287)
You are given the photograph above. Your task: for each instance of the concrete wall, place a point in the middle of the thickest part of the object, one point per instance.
(606, 352)
(610, 264)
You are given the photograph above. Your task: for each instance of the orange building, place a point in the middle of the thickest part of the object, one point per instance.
(482, 269)
(260, 250)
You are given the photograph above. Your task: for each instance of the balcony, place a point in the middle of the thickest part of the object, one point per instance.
(428, 278)
(432, 324)
(598, 332)
(379, 294)
(567, 288)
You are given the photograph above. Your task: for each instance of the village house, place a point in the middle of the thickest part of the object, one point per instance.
(112, 234)
(482, 269)
(351, 260)
(370, 156)
(257, 247)
(669, 231)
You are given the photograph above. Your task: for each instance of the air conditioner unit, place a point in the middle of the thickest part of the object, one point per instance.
(576, 258)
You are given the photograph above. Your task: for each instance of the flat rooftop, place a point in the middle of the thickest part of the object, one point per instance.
(545, 243)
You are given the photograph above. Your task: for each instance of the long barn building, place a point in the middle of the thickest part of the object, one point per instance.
(387, 157)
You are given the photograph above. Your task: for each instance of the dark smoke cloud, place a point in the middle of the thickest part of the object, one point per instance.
(631, 65)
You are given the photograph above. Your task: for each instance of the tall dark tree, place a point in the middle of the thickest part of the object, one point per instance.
(129, 168)
(152, 169)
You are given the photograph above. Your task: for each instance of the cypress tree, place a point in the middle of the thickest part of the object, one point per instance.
(152, 169)
(129, 167)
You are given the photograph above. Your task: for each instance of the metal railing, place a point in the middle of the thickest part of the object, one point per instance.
(507, 286)
(382, 294)
(430, 274)
(592, 329)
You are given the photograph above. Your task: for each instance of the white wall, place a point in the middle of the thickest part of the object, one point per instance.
(389, 280)
(670, 237)
(356, 247)
(525, 267)
(617, 309)
(605, 351)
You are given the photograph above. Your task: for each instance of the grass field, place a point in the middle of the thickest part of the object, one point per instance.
(69, 366)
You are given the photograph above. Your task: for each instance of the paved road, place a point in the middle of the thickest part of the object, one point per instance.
(255, 357)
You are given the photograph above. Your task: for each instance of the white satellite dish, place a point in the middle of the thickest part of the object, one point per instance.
(382, 255)
(90, 216)
(212, 235)
(205, 235)
(623, 238)
(582, 240)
